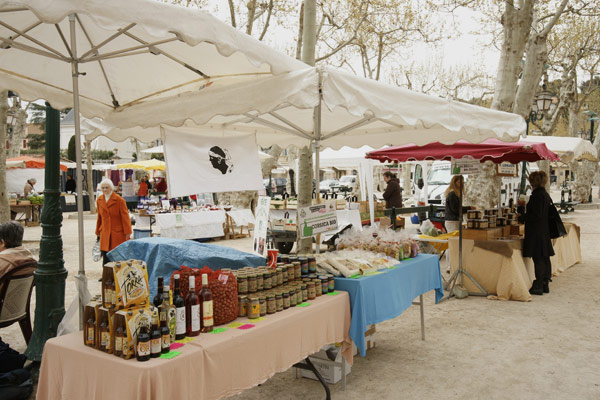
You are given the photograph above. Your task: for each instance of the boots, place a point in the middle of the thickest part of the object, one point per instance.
(537, 288)
(546, 286)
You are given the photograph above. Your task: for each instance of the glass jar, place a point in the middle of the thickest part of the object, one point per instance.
(298, 296)
(297, 270)
(252, 283)
(303, 261)
(279, 302)
(292, 259)
(271, 305)
(318, 287)
(242, 305)
(310, 288)
(324, 284)
(331, 286)
(279, 273)
(292, 294)
(290, 272)
(253, 308)
(286, 300)
(284, 259)
(304, 293)
(263, 305)
(260, 282)
(312, 265)
(242, 282)
(284, 274)
(267, 280)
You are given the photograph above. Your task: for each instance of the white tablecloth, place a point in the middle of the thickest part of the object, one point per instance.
(194, 225)
(241, 217)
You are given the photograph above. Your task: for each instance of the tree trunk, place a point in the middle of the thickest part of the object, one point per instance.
(90, 177)
(483, 190)
(516, 27)
(290, 187)
(537, 54)
(585, 171)
(305, 192)
(407, 184)
(4, 203)
(573, 120)
(544, 165)
(251, 13)
(270, 163)
(19, 131)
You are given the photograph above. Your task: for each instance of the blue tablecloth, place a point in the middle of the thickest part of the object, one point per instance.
(377, 298)
(163, 256)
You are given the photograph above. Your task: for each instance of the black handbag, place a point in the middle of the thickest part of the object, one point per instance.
(555, 224)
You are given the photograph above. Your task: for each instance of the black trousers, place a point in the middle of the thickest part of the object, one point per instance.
(543, 268)
(105, 259)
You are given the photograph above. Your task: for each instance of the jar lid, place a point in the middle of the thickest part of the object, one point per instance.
(261, 298)
(253, 298)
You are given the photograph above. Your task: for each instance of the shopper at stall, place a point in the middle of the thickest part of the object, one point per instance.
(70, 185)
(113, 225)
(537, 243)
(393, 193)
(12, 253)
(29, 187)
(161, 186)
(452, 211)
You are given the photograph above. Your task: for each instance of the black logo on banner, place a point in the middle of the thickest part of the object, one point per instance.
(220, 159)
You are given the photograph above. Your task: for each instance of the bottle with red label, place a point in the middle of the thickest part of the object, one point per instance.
(206, 306)
(143, 344)
(192, 310)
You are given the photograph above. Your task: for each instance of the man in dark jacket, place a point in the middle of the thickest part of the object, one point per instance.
(393, 192)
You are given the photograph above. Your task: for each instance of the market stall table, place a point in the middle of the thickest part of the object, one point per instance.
(212, 366)
(377, 298)
(499, 265)
(191, 225)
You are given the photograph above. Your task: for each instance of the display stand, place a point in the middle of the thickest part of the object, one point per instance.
(458, 274)
(309, 366)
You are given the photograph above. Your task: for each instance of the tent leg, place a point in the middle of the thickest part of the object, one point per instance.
(317, 151)
(75, 76)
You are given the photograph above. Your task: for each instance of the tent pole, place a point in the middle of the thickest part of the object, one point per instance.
(317, 150)
(75, 76)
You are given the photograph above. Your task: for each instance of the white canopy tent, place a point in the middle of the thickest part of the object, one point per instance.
(160, 149)
(568, 148)
(125, 53)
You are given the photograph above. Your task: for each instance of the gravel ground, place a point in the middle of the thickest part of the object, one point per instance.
(475, 348)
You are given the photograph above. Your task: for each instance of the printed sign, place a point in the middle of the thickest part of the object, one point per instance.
(260, 229)
(507, 169)
(465, 167)
(317, 219)
(128, 189)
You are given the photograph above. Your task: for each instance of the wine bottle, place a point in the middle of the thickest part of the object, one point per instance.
(170, 312)
(90, 330)
(106, 288)
(165, 337)
(206, 308)
(104, 333)
(118, 351)
(192, 310)
(155, 340)
(143, 344)
(158, 299)
(179, 304)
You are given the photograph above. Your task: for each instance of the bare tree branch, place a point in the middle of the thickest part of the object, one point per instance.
(269, 13)
(232, 13)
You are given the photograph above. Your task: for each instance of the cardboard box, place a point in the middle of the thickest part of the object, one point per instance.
(369, 340)
(324, 361)
(385, 222)
(517, 230)
(400, 222)
(131, 283)
(134, 319)
(483, 234)
(363, 206)
(379, 206)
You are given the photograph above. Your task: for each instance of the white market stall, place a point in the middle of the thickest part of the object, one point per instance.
(568, 149)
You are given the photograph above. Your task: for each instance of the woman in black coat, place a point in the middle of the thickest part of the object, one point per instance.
(393, 191)
(538, 244)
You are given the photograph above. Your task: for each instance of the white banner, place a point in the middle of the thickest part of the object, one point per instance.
(197, 164)
(465, 167)
(317, 219)
(260, 227)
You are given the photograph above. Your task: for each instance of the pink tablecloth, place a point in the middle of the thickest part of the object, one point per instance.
(211, 367)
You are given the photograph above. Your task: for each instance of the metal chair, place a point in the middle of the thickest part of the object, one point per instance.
(15, 296)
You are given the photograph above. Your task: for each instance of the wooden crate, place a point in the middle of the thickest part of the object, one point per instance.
(278, 204)
(483, 234)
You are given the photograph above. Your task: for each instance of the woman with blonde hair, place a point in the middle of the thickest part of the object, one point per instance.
(537, 243)
(113, 225)
(451, 222)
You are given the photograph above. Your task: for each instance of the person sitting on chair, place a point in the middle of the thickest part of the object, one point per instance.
(12, 252)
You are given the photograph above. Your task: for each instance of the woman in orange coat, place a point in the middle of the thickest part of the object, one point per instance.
(113, 225)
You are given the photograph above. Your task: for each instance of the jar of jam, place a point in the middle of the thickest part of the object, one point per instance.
(260, 282)
(318, 287)
(312, 264)
(292, 259)
(331, 286)
(242, 305)
(292, 294)
(297, 270)
(253, 308)
(285, 259)
(267, 280)
(271, 305)
(242, 282)
(310, 288)
(286, 300)
(278, 302)
(290, 272)
(303, 265)
(263, 305)
(279, 273)
(304, 293)
(252, 286)
(298, 295)
(324, 284)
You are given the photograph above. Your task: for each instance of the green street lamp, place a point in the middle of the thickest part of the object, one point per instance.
(592, 117)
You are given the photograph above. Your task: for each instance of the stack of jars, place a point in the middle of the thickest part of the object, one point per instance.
(263, 290)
